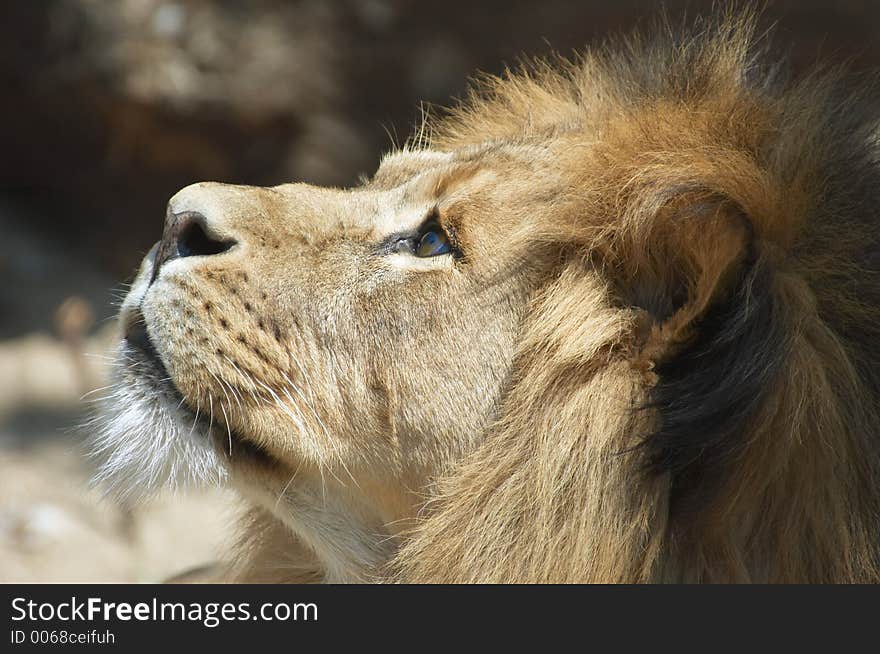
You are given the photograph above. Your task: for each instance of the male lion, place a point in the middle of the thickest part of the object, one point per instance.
(612, 320)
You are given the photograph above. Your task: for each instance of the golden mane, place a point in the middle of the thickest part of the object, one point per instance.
(725, 427)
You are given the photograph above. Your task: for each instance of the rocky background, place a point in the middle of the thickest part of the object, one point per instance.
(107, 107)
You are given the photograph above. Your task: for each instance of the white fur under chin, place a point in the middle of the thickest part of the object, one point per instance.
(146, 444)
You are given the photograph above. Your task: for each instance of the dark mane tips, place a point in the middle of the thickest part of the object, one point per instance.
(709, 392)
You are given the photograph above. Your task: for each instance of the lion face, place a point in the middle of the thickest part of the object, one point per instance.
(301, 339)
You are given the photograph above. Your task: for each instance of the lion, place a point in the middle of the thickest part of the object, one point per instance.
(610, 319)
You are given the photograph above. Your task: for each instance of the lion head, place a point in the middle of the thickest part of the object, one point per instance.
(614, 319)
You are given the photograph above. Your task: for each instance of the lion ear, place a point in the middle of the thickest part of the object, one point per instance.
(691, 259)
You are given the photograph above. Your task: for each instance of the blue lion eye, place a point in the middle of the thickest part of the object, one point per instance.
(433, 243)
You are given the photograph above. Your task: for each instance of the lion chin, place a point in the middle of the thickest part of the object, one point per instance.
(611, 320)
(145, 446)
(146, 440)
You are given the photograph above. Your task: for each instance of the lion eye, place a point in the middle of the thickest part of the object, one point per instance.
(433, 243)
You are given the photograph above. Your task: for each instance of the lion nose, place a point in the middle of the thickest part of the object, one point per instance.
(188, 234)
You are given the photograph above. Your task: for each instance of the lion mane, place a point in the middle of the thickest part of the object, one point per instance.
(733, 435)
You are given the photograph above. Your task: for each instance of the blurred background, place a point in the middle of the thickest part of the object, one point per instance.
(107, 107)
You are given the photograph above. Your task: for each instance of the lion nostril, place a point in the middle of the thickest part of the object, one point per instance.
(188, 234)
(192, 240)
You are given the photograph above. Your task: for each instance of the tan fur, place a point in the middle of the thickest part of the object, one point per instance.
(489, 418)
